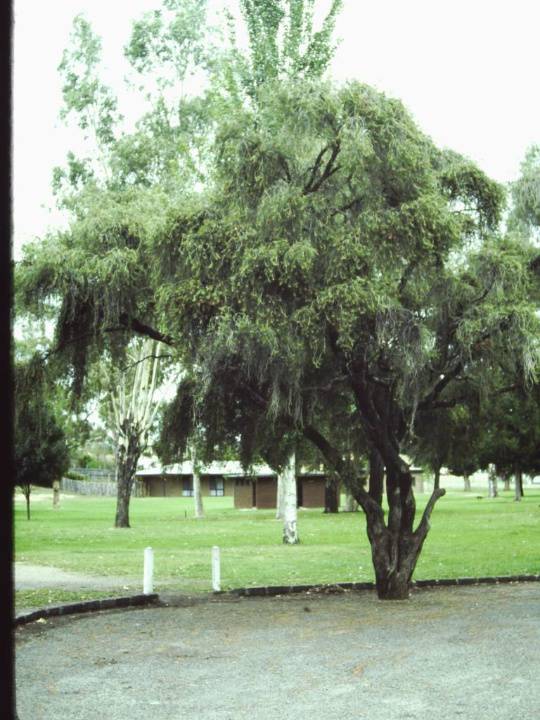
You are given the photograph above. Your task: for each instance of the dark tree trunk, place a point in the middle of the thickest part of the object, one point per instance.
(396, 547)
(466, 482)
(437, 477)
(26, 492)
(127, 457)
(376, 476)
(331, 496)
(506, 481)
(518, 479)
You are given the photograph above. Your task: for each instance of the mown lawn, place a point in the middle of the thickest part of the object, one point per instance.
(469, 537)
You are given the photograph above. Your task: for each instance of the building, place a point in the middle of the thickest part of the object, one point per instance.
(226, 479)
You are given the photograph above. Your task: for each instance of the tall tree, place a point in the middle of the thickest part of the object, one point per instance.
(323, 271)
(338, 265)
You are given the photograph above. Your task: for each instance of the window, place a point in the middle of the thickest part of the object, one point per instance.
(216, 487)
(187, 489)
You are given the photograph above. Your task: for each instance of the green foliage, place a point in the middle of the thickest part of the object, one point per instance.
(525, 215)
(41, 452)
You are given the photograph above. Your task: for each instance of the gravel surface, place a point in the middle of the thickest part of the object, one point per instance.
(35, 577)
(464, 652)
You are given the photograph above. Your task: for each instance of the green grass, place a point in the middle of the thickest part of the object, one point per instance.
(469, 537)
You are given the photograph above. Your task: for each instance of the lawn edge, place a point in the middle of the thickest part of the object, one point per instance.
(86, 606)
(268, 591)
(341, 587)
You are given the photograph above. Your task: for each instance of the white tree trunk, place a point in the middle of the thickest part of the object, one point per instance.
(466, 482)
(279, 499)
(290, 513)
(197, 496)
(492, 481)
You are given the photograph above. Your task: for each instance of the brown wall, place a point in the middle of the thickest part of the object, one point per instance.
(312, 492)
(266, 493)
(243, 493)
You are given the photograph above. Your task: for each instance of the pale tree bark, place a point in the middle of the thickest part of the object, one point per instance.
(279, 499)
(56, 494)
(290, 512)
(466, 482)
(134, 411)
(492, 481)
(197, 494)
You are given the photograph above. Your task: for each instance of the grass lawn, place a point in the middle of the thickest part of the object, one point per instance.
(469, 537)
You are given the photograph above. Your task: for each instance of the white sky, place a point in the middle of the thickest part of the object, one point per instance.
(466, 69)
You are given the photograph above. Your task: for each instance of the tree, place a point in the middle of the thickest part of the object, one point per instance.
(41, 452)
(134, 409)
(337, 271)
(342, 258)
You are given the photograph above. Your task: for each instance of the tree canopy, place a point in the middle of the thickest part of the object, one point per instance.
(334, 264)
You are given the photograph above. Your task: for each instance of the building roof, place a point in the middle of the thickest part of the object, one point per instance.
(229, 468)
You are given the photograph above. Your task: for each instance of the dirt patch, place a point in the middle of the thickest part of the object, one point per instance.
(471, 652)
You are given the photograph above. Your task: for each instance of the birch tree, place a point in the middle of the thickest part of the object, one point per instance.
(289, 500)
(133, 412)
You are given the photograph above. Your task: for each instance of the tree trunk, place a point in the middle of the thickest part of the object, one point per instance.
(290, 513)
(26, 492)
(56, 494)
(466, 482)
(437, 477)
(376, 476)
(197, 494)
(350, 503)
(331, 496)
(506, 481)
(492, 481)
(127, 457)
(279, 499)
(395, 548)
(518, 485)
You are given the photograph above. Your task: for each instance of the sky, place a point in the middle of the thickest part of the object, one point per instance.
(467, 70)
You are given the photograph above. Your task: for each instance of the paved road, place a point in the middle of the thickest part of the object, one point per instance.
(464, 652)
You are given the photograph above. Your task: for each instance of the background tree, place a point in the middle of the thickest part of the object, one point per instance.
(134, 409)
(41, 452)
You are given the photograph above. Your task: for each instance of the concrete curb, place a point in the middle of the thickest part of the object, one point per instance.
(268, 591)
(86, 606)
(341, 587)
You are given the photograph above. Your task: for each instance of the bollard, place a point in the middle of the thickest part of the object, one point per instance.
(216, 570)
(148, 581)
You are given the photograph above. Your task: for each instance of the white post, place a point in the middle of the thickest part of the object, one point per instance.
(148, 582)
(216, 570)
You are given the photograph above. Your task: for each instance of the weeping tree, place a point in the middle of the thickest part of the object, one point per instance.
(337, 268)
(343, 264)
